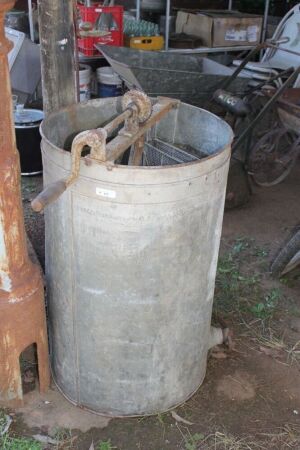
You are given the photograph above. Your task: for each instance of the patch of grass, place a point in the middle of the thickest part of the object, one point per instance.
(161, 419)
(234, 286)
(64, 438)
(105, 445)
(192, 441)
(241, 244)
(224, 441)
(272, 342)
(265, 309)
(9, 442)
(260, 252)
(12, 443)
(284, 438)
(3, 421)
(239, 287)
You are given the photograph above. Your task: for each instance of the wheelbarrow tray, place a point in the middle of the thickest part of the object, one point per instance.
(190, 78)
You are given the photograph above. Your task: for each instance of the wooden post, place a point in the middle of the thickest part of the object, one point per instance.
(57, 39)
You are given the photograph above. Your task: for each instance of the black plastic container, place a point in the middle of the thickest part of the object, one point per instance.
(27, 123)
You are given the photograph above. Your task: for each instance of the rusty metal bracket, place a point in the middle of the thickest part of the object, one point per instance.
(117, 146)
(96, 140)
(141, 109)
(138, 117)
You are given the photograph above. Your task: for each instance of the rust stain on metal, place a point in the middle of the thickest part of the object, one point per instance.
(138, 117)
(137, 154)
(126, 138)
(22, 310)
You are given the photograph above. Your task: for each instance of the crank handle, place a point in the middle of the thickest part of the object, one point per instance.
(49, 195)
(95, 139)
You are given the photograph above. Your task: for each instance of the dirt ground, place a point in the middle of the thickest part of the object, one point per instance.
(250, 398)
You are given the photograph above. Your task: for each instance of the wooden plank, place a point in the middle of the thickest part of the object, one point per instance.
(57, 39)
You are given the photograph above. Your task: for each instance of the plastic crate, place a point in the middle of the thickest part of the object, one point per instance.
(145, 42)
(91, 14)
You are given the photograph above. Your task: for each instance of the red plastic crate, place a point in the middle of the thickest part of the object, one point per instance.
(86, 44)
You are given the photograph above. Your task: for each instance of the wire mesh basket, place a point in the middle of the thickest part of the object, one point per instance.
(160, 153)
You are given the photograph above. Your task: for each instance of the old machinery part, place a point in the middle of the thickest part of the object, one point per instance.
(231, 103)
(272, 158)
(139, 116)
(141, 101)
(159, 153)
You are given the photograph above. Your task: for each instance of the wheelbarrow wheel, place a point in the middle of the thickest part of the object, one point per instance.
(273, 156)
(288, 256)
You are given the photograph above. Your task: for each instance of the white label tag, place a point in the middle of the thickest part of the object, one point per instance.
(235, 35)
(106, 193)
(252, 33)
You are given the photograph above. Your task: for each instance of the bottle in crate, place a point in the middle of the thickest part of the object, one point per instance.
(99, 24)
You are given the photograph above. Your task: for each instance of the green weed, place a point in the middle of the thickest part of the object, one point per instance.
(3, 421)
(8, 442)
(232, 285)
(241, 244)
(161, 419)
(260, 252)
(11, 443)
(64, 438)
(191, 443)
(266, 308)
(105, 445)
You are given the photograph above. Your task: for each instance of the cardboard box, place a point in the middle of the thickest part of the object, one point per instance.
(221, 28)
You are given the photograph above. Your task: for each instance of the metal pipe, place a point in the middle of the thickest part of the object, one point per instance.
(22, 309)
(30, 19)
(265, 25)
(287, 50)
(265, 21)
(138, 10)
(111, 126)
(245, 61)
(167, 30)
(230, 5)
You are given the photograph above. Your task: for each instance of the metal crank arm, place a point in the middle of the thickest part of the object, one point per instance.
(138, 116)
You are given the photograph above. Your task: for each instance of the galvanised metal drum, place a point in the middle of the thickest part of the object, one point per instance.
(131, 256)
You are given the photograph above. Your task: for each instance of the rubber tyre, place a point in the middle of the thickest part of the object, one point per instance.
(285, 255)
(294, 151)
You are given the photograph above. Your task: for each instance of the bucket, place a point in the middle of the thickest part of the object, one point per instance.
(85, 73)
(109, 83)
(28, 139)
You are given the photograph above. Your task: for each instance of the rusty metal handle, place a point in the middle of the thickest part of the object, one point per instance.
(48, 195)
(95, 139)
(139, 117)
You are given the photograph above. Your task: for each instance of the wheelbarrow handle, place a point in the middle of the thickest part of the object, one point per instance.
(48, 195)
(231, 103)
